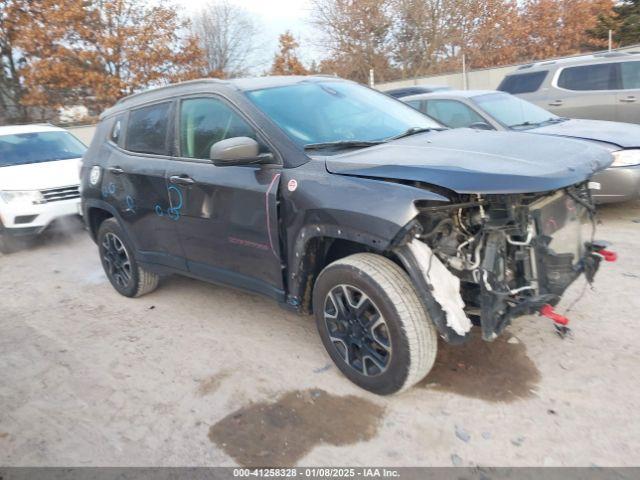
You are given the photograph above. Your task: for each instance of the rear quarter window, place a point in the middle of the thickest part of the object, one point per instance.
(147, 129)
(522, 82)
(116, 130)
(588, 77)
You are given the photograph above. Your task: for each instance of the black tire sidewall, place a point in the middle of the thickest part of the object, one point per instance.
(397, 372)
(8, 244)
(112, 226)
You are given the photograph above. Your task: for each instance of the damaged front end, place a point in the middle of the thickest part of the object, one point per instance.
(487, 259)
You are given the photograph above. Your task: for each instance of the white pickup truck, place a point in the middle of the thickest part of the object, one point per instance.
(39, 182)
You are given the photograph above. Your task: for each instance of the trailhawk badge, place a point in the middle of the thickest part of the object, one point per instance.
(292, 185)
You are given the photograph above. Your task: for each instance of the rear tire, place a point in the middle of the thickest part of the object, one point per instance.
(373, 324)
(122, 269)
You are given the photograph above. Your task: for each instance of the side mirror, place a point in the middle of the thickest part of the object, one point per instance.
(481, 126)
(237, 151)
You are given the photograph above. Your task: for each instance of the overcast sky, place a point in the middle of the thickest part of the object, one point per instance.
(273, 17)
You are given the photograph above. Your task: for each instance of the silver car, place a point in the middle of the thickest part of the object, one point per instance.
(491, 110)
(599, 87)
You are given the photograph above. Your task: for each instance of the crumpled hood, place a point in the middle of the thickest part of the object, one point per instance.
(622, 135)
(474, 161)
(40, 176)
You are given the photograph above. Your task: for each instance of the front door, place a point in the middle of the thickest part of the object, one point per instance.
(227, 217)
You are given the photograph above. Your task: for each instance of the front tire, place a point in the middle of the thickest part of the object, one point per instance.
(122, 269)
(8, 244)
(373, 324)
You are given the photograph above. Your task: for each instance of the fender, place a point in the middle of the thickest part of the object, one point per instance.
(309, 250)
(368, 212)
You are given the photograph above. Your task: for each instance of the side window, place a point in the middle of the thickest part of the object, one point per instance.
(147, 129)
(452, 113)
(630, 74)
(588, 77)
(205, 121)
(415, 104)
(522, 83)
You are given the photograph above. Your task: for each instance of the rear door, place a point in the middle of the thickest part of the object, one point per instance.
(134, 182)
(628, 105)
(586, 91)
(227, 217)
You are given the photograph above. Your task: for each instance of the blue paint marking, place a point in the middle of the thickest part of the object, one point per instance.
(131, 204)
(108, 190)
(173, 212)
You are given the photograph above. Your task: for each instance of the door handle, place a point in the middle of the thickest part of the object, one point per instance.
(181, 180)
(628, 100)
(116, 170)
(556, 103)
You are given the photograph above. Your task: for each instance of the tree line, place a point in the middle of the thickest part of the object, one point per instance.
(57, 53)
(411, 38)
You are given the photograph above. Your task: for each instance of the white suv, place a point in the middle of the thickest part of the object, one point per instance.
(39, 179)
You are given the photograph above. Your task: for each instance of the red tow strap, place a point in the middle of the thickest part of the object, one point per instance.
(549, 312)
(608, 255)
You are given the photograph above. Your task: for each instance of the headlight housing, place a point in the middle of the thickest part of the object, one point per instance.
(626, 158)
(22, 196)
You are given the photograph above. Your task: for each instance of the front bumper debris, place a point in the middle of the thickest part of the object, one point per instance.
(510, 256)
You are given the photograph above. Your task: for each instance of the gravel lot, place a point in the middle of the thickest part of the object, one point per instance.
(196, 374)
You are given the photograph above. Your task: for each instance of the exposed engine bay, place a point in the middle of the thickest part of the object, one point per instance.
(510, 255)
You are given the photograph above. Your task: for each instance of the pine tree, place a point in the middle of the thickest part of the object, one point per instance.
(624, 22)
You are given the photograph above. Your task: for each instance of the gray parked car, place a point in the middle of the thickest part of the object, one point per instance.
(491, 110)
(599, 87)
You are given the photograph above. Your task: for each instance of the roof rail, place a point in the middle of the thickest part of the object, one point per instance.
(173, 85)
(610, 54)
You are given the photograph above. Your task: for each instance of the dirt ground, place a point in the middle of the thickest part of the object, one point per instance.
(196, 374)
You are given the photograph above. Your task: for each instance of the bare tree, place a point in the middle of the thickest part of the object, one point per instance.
(356, 34)
(227, 35)
(422, 30)
(11, 61)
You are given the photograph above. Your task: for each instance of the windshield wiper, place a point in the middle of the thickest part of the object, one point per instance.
(412, 131)
(537, 124)
(524, 124)
(555, 120)
(343, 144)
(367, 143)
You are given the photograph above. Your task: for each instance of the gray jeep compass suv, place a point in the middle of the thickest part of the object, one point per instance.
(337, 200)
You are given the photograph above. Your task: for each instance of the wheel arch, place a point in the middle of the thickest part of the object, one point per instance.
(95, 212)
(95, 217)
(318, 246)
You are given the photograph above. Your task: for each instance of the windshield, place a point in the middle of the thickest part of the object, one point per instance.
(23, 148)
(512, 111)
(324, 112)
